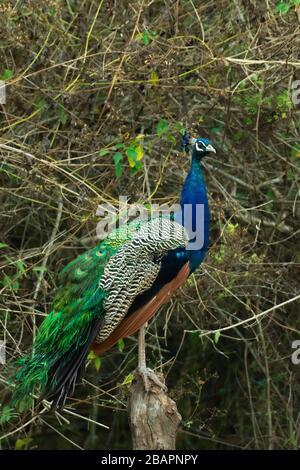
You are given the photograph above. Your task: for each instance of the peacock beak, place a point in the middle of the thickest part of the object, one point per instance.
(210, 148)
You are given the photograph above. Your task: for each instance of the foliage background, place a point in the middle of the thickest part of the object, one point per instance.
(97, 94)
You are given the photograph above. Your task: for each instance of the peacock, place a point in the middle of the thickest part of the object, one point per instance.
(110, 291)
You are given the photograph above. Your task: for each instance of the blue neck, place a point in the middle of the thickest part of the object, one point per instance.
(194, 193)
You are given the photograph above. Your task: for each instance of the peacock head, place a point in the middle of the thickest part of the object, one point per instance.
(200, 146)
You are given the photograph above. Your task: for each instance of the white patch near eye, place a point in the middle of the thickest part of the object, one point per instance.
(198, 147)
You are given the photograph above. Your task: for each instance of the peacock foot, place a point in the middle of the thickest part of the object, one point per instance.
(148, 375)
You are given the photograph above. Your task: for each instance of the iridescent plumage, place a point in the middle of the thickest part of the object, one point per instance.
(102, 288)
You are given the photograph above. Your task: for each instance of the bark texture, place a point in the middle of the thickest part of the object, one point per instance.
(153, 415)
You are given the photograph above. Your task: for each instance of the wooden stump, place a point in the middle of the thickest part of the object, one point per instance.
(153, 416)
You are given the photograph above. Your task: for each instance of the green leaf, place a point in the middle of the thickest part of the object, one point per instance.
(6, 414)
(282, 8)
(146, 37)
(217, 336)
(295, 152)
(3, 245)
(162, 127)
(194, 337)
(40, 104)
(238, 135)
(139, 152)
(7, 74)
(231, 228)
(178, 126)
(284, 102)
(139, 37)
(91, 355)
(62, 115)
(154, 78)
(39, 269)
(94, 360)
(128, 379)
(138, 166)
(121, 345)
(248, 121)
(11, 282)
(22, 444)
(132, 156)
(21, 267)
(103, 152)
(97, 363)
(119, 146)
(172, 139)
(118, 165)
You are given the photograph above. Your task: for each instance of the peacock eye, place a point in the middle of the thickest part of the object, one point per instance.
(199, 147)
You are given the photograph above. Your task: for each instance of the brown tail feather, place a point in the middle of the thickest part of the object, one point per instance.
(133, 322)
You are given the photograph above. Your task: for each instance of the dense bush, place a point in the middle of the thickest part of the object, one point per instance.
(97, 95)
